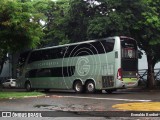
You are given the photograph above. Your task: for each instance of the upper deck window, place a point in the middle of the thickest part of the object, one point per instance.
(128, 43)
(129, 48)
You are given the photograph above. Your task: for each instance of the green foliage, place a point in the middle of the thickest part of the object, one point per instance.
(54, 19)
(140, 19)
(19, 28)
(23, 22)
(77, 21)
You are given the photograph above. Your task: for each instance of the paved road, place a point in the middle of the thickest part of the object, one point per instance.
(60, 104)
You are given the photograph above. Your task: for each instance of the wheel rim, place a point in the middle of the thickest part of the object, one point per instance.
(78, 87)
(28, 86)
(90, 87)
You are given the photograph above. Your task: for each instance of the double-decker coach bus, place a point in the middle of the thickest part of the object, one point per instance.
(104, 64)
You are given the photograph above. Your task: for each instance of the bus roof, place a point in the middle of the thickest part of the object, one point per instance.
(78, 43)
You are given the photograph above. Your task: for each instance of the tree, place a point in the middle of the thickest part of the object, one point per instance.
(139, 19)
(79, 14)
(18, 27)
(90, 19)
(146, 31)
(54, 19)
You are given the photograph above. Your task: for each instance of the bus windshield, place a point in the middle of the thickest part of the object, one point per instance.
(129, 54)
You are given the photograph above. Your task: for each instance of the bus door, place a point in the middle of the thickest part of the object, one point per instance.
(129, 61)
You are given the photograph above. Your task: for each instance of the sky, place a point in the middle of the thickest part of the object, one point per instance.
(142, 63)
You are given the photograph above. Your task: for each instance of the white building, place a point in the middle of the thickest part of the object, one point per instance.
(9, 68)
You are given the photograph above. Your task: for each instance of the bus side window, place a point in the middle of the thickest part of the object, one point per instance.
(42, 54)
(98, 48)
(60, 52)
(44, 72)
(93, 49)
(71, 51)
(63, 52)
(109, 45)
(31, 73)
(84, 49)
(46, 54)
(31, 58)
(39, 56)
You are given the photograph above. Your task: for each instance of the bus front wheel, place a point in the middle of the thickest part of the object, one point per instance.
(78, 87)
(90, 87)
(28, 86)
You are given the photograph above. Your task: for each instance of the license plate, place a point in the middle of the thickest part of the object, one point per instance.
(130, 83)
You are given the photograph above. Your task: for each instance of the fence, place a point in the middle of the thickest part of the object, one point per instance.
(143, 76)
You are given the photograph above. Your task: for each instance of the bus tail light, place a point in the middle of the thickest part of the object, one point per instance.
(119, 74)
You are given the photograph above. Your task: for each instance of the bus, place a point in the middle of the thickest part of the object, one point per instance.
(95, 65)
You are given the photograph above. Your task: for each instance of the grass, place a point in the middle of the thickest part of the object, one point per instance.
(19, 94)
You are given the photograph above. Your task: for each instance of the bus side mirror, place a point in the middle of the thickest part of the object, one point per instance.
(140, 53)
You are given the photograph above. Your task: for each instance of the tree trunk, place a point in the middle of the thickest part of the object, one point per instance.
(150, 75)
(2, 61)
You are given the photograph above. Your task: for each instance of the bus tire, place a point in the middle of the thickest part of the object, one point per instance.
(28, 87)
(46, 90)
(90, 87)
(98, 91)
(110, 91)
(78, 87)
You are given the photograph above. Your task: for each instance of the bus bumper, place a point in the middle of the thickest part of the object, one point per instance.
(119, 84)
(122, 84)
(131, 85)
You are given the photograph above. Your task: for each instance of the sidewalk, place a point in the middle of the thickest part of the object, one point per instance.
(12, 90)
(139, 89)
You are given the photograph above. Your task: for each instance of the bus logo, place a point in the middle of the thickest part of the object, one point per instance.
(6, 114)
(82, 67)
(130, 53)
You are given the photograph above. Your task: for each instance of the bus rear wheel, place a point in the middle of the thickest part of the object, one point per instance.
(90, 87)
(46, 90)
(28, 87)
(78, 87)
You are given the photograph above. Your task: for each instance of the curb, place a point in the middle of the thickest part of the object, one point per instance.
(36, 96)
(139, 90)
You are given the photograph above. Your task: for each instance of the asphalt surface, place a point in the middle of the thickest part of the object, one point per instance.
(59, 105)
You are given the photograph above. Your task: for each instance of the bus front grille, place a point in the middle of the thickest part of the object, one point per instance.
(107, 81)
